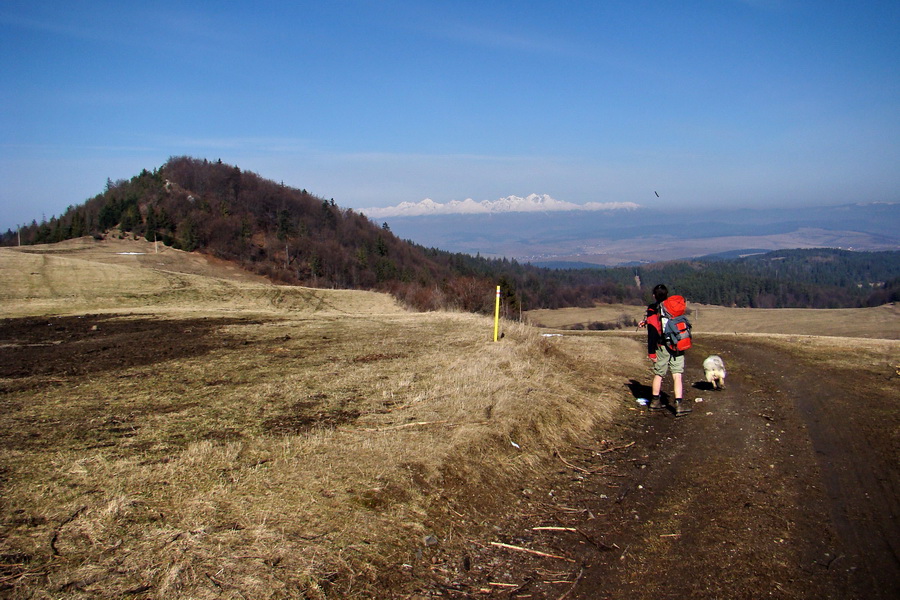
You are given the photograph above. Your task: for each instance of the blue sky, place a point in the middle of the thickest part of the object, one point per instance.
(716, 102)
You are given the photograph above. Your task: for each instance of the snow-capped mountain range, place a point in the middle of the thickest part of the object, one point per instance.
(531, 203)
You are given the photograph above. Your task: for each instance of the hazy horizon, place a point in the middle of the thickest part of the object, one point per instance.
(638, 235)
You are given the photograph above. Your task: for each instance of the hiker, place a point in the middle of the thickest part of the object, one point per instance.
(663, 357)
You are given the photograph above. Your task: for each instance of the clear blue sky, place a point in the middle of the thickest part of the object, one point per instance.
(372, 103)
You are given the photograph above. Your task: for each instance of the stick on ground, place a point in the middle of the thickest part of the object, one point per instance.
(529, 551)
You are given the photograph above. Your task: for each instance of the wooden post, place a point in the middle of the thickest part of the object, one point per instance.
(497, 315)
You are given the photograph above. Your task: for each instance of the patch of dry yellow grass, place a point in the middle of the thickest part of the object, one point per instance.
(877, 322)
(849, 354)
(566, 317)
(78, 277)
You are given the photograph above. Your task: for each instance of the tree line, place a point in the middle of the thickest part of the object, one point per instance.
(294, 237)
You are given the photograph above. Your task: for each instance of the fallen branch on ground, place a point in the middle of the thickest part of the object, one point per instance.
(529, 551)
(562, 508)
(599, 545)
(22, 575)
(574, 583)
(66, 521)
(570, 465)
(617, 448)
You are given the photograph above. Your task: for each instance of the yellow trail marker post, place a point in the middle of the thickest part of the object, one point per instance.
(497, 314)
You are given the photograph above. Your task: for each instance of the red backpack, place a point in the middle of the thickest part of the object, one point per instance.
(676, 329)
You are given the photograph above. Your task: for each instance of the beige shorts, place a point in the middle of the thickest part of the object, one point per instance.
(666, 361)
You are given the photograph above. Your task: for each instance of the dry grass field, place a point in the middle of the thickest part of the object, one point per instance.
(174, 428)
(882, 322)
(168, 434)
(84, 275)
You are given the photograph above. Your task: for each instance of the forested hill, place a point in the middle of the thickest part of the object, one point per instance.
(816, 278)
(283, 233)
(294, 237)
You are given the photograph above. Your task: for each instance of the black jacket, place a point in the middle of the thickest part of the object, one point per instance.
(654, 328)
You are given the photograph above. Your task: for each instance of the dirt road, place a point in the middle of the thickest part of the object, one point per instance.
(784, 485)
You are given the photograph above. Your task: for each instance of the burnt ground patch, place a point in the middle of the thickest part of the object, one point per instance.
(303, 416)
(73, 346)
(52, 356)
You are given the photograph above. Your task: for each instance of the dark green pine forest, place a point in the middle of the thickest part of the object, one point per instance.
(294, 237)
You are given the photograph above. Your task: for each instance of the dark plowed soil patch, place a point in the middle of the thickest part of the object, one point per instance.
(304, 416)
(71, 346)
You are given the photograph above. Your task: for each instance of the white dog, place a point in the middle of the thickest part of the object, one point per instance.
(714, 368)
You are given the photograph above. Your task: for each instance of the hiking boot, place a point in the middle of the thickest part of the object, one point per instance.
(682, 407)
(655, 403)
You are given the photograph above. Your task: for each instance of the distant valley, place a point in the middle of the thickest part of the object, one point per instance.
(641, 235)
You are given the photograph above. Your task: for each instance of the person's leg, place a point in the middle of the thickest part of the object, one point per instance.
(660, 366)
(682, 406)
(655, 401)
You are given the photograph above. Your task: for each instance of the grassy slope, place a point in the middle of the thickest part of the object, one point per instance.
(83, 275)
(311, 449)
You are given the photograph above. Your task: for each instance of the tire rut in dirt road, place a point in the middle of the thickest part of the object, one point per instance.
(859, 477)
(733, 501)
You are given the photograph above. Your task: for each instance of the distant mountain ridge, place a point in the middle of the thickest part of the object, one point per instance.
(533, 203)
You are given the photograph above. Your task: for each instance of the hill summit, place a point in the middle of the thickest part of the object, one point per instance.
(285, 234)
